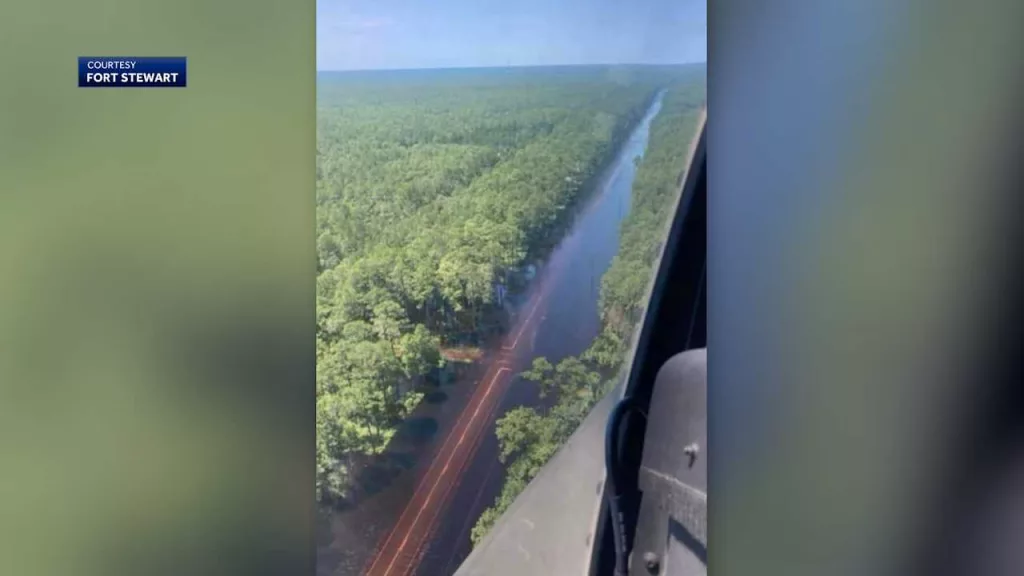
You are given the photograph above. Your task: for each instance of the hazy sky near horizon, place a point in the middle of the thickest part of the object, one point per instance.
(381, 34)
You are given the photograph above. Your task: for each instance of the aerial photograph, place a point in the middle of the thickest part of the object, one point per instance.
(494, 186)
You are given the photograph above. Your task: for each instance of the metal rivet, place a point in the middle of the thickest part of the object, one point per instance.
(651, 562)
(691, 450)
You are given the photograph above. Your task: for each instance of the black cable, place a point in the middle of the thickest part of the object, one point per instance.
(615, 492)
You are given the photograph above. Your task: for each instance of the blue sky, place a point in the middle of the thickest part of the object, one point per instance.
(377, 34)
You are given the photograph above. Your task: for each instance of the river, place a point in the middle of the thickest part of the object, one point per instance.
(441, 471)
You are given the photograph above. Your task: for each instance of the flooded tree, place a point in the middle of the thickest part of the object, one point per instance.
(429, 197)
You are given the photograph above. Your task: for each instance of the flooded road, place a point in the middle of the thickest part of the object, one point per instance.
(441, 471)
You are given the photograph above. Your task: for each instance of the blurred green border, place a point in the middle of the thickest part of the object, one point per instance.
(156, 307)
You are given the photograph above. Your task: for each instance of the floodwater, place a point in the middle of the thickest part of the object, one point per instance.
(558, 319)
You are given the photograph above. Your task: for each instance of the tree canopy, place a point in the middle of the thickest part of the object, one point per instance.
(433, 187)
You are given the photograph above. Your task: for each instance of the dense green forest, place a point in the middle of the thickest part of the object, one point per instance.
(530, 436)
(433, 188)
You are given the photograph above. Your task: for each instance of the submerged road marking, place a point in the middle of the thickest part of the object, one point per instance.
(526, 323)
(423, 482)
(430, 495)
(471, 452)
(469, 519)
(503, 363)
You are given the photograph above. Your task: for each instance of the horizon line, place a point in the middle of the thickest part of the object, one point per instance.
(477, 66)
